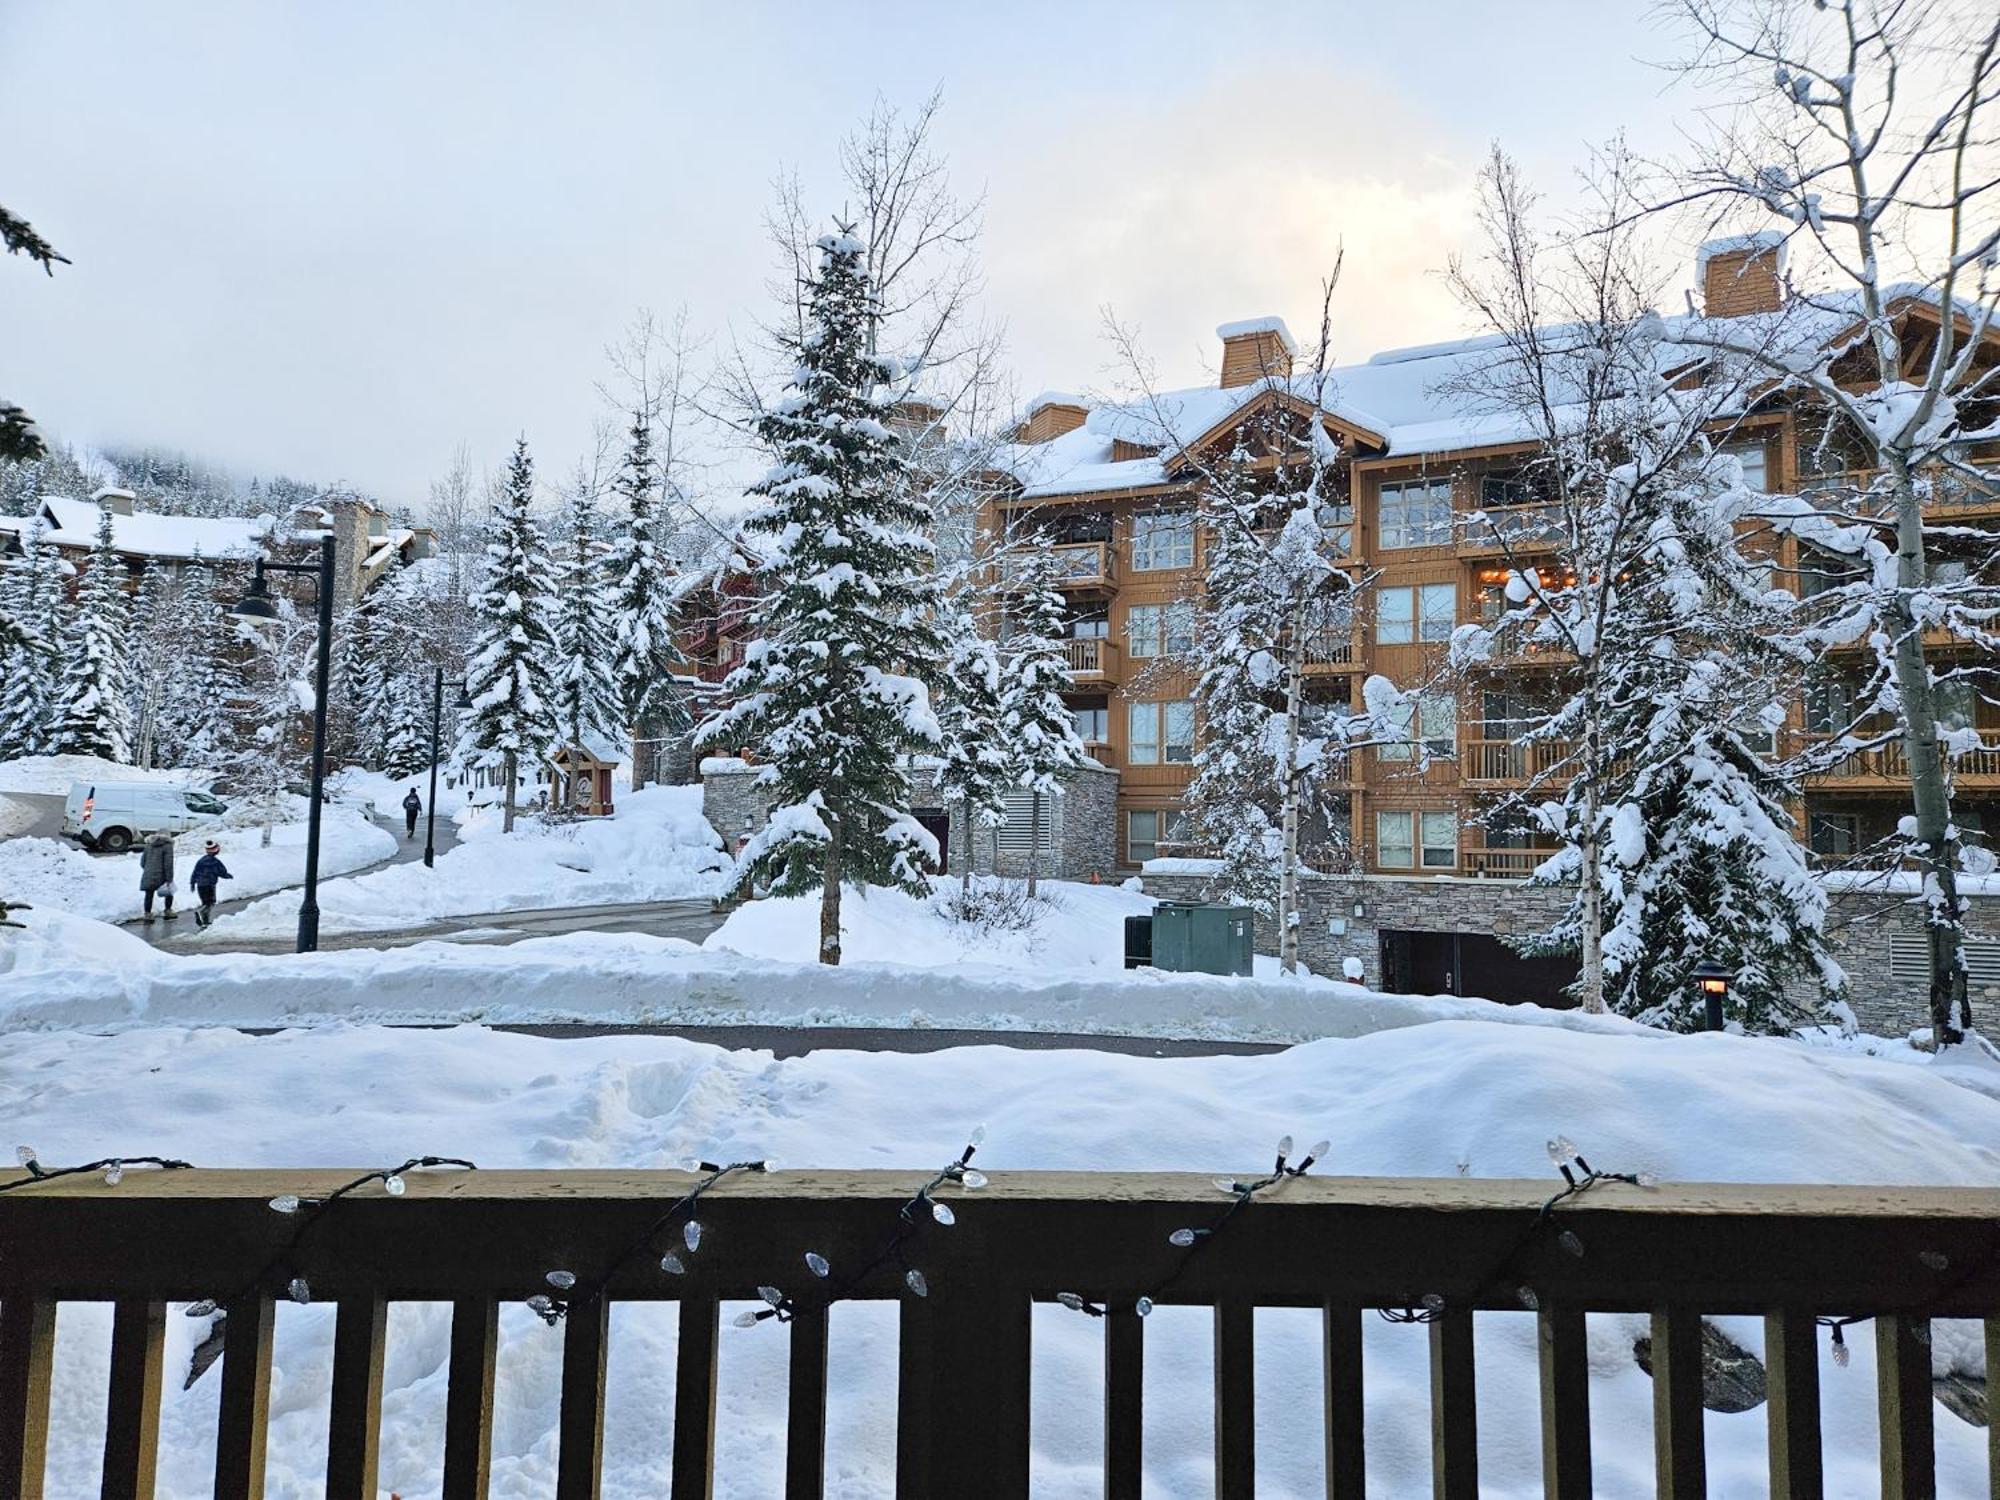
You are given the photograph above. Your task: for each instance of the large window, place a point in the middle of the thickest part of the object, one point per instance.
(1751, 455)
(1159, 629)
(1421, 612)
(1162, 539)
(1147, 829)
(1432, 720)
(1160, 733)
(1833, 835)
(1416, 840)
(1093, 725)
(1415, 513)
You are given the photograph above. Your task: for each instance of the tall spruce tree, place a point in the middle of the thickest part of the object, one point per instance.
(588, 702)
(974, 766)
(193, 717)
(826, 695)
(1036, 724)
(512, 717)
(95, 717)
(28, 690)
(643, 656)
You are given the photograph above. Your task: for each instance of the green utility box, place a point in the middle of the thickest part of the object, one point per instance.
(1193, 939)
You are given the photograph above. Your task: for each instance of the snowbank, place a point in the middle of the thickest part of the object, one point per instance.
(1456, 1097)
(385, 792)
(55, 873)
(50, 775)
(657, 848)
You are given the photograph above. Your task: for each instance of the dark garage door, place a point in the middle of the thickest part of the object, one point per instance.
(1472, 963)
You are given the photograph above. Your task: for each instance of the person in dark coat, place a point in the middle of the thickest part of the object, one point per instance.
(412, 806)
(207, 871)
(156, 872)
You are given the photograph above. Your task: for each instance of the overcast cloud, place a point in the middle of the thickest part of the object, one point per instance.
(337, 240)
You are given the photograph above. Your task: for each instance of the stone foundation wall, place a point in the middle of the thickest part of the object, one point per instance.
(1344, 917)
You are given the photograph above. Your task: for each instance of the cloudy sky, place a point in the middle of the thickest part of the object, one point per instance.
(336, 241)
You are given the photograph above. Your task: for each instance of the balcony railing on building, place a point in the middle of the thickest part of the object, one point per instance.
(1889, 762)
(1465, 1255)
(1080, 566)
(1093, 661)
(1509, 528)
(1503, 864)
(1514, 761)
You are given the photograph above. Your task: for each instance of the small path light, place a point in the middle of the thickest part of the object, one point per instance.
(1713, 979)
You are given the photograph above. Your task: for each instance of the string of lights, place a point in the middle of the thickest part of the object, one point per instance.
(1934, 1261)
(919, 1210)
(113, 1168)
(1191, 1241)
(566, 1290)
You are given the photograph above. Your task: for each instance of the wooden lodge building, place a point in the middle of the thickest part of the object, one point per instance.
(1423, 495)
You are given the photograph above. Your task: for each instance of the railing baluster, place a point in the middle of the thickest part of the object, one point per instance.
(1454, 1411)
(1565, 1370)
(1680, 1460)
(913, 1398)
(694, 1399)
(1346, 1463)
(1124, 1403)
(468, 1400)
(1791, 1367)
(354, 1418)
(974, 1410)
(1903, 1390)
(580, 1441)
(805, 1408)
(246, 1398)
(27, 1348)
(132, 1414)
(1235, 1400)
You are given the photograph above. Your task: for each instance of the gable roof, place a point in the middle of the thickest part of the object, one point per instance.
(73, 523)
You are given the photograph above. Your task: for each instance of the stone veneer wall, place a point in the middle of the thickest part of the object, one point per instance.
(1082, 821)
(1862, 925)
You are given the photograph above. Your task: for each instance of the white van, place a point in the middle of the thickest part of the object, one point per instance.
(115, 815)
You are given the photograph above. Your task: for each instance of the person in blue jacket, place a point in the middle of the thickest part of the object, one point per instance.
(207, 871)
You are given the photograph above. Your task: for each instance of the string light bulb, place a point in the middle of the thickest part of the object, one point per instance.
(972, 1177)
(1525, 1295)
(691, 1234)
(673, 1265)
(1181, 1238)
(1562, 1150)
(818, 1264)
(1143, 1307)
(114, 1173)
(562, 1281)
(393, 1185)
(1934, 1260)
(1571, 1243)
(916, 1282)
(201, 1307)
(285, 1203)
(943, 1214)
(298, 1290)
(25, 1155)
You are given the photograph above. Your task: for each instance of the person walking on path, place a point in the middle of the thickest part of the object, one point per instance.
(156, 872)
(412, 806)
(207, 871)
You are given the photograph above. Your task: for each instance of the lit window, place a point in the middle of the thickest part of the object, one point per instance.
(1162, 539)
(1415, 513)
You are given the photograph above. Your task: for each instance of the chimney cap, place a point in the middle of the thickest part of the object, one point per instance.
(1055, 398)
(1757, 242)
(1249, 327)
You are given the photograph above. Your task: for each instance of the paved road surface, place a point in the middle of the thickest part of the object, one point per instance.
(692, 920)
(48, 810)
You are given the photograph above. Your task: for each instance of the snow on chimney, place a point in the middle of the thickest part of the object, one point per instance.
(118, 502)
(1255, 349)
(1050, 415)
(1743, 273)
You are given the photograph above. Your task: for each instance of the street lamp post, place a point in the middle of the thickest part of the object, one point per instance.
(437, 722)
(257, 605)
(1713, 980)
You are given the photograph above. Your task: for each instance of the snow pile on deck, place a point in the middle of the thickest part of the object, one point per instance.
(56, 873)
(657, 848)
(1435, 1101)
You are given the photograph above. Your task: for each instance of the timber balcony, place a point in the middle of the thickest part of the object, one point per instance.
(1329, 650)
(1503, 529)
(1503, 864)
(1093, 662)
(1339, 1245)
(1884, 766)
(1514, 762)
(1080, 568)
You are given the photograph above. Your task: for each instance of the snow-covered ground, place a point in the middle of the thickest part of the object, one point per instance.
(56, 874)
(16, 817)
(1431, 1100)
(657, 848)
(50, 775)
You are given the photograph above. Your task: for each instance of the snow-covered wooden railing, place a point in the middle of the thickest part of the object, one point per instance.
(1439, 1250)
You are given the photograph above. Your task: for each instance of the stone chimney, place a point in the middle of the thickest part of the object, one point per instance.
(118, 502)
(1255, 349)
(1741, 274)
(1050, 415)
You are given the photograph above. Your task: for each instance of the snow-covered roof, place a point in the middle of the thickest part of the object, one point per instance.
(1052, 398)
(1411, 399)
(73, 523)
(1245, 327)
(1730, 244)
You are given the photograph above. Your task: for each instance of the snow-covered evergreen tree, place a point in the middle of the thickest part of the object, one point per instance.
(826, 696)
(974, 765)
(28, 689)
(588, 702)
(95, 717)
(1036, 724)
(192, 716)
(643, 656)
(512, 718)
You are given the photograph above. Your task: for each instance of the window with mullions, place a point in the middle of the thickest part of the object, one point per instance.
(1425, 612)
(1409, 840)
(1414, 513)
(1160, 629)
(1160, 733)
(1148, 830)
(1162, 539)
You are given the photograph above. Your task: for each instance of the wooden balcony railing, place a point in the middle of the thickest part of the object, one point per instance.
(1092, 661)
(1888, 762)
(1330, 648)
(1078, 565)
(1341, 1245)
(1504, 528)
(1503, 864)
(1513, 760)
